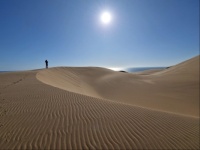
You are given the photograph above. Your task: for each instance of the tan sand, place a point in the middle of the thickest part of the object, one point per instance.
(96, 108)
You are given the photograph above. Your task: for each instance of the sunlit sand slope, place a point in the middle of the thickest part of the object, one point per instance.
(173, 90)
(34, 115)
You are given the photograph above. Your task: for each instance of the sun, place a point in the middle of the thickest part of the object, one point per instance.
(106, 17)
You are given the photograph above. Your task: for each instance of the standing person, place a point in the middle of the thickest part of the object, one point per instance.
(46, 63)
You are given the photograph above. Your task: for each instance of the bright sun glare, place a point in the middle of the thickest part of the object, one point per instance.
(106, 17)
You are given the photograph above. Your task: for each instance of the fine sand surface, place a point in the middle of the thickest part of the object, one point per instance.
(96, 108)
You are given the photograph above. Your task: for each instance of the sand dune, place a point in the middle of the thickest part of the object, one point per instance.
(173, 90)
(96, 108)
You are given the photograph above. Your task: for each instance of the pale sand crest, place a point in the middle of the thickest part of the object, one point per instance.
(96, 108)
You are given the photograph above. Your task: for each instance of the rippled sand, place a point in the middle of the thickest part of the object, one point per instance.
(96, 108)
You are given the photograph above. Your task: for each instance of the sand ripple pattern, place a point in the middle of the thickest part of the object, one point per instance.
(39, 116)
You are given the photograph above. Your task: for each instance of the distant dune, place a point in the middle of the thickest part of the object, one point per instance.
(97, 108)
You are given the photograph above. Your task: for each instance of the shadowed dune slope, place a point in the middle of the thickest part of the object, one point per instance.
(174, 90)
(34, 115)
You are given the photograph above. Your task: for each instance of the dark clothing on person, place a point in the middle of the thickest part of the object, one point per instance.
(46, 63)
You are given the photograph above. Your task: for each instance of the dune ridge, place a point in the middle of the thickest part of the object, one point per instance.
(34, 115)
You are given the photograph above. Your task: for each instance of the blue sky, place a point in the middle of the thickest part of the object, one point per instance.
(142, 33)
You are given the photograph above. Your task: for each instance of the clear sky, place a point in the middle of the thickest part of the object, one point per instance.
(141, 33)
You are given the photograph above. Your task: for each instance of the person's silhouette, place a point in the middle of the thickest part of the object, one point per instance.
(46, 63)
